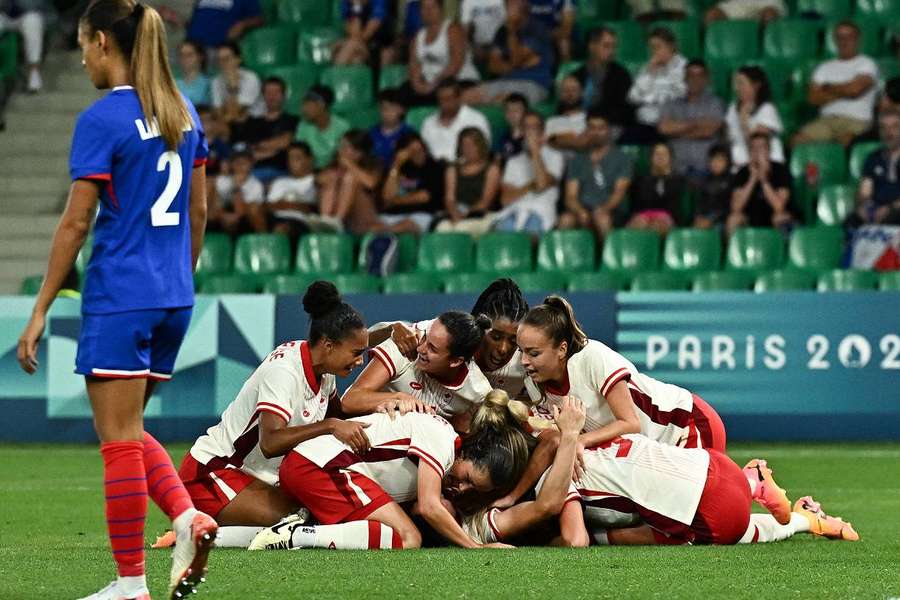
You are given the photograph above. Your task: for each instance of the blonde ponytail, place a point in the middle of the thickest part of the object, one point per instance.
(499, 411)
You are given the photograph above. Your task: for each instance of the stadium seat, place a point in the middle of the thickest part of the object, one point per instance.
(9, 55)
(467, 283)
(785, 280)
(566, 68)
(722, 281)
(687, 32)
(831, 165)
(858, 155)
(836, 202)
(886, 11)
(870, 41)
(407, 246)
(888, 67)
(816, 248)
(779, 72)
(889, 281)
(325, 254)
(787, 40)
(288, 284)
(229, 284)
(572, 250)
(659, 281)
(632, 43)
(732, 42)
(596, 281)
(541, 281)
(314, 46)
(411, 283)
(755, 249)
(352, 86)
(31, 285)
(847, 280)
(262, 254)
(363, 117)
(689, 249)
(503, 252)
(445, 253)
(268, 47)
(640, 157)
(596, 10)
(216, 256)
(305, 13)
(631, 250)
(416, 116)
(269, 10)
(496, 118)
(828, 9)
(297, 79)
(392, 76)
(357, 283)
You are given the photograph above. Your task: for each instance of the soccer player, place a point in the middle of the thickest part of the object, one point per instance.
(138, 152)
(413, 457)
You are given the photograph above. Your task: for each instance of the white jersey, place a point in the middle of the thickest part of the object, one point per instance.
(398, 446)
(664, 410)
(284, 385)
(510, 377)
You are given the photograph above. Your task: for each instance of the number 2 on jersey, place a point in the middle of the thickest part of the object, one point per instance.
(159, 215)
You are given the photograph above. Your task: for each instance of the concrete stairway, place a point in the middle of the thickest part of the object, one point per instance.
(34, 152)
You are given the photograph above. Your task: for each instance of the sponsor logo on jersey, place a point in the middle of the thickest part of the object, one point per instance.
(415, 385)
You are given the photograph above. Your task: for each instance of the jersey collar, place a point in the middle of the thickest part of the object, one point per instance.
(306, 360)
(563, 389)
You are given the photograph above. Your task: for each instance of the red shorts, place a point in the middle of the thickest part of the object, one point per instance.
(211, 491)
(709, 425)
(723, 514)
(331, 495)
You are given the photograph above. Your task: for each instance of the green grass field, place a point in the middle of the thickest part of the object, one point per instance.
(52, 545)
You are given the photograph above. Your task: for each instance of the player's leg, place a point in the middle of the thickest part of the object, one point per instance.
(766, 492)
(387, 527)
(709, 425)
(642, 535)
(259, 504)
(764, 528)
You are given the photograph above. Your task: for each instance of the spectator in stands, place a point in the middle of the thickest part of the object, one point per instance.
(764, 11)
(564, 131)
(661, 80)
(888, 101)
(215, 22)
(693, 124)
(482, 19)
(472, 185)
(606, 83)
(413, 190)
(597, 181)
(269, 135)
(439, 51)
(441, 130)
(236, 206)
(656, 197)
(27, 18)
(879, 189)
(349, 187)
(714, 189)
(515, 106)
(844, 88)
(750, 113)
(391, 127)
(193, 81)
(558, 17)
(530, 185)
(216, 132)
(521, 59)
(761, 190)
(319, 128)
(648, 11)
(367, 29)
(235, 91)
(294, 194)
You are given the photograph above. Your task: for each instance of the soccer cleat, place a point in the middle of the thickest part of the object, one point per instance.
(166, 540)
(767, 493)
(822, 524)
(280, 535)
(111, 592)
(189, 558)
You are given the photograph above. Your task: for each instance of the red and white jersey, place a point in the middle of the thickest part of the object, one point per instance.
(656, 477)
(510, 377)
(398, 446)
(664, 410)
(448, 399)
(284, 385)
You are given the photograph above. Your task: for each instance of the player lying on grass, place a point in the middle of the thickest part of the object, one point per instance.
(413, 457)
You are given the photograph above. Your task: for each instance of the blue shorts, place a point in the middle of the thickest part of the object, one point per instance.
(132, 344)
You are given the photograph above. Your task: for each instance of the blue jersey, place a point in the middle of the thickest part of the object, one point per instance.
(141, 257)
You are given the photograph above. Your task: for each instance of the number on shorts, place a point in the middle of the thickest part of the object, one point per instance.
(159, 215)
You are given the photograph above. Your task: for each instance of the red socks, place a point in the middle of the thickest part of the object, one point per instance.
(163, 483)
(125, 487)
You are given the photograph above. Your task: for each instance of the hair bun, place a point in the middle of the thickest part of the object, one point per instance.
(483, 322)
(321, 297)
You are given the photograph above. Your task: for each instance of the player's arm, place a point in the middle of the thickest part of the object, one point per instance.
(572, 532)
(365, 396)
(626, 419)
(538, 463)
(433, 510)
(197, 209)
(71, 232)
(277, 439)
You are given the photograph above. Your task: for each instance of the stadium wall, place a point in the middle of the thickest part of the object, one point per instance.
(791, 366)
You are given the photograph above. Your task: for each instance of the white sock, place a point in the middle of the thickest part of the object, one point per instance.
(799, 523)
(183, 521)
(235, 536)
(355, 535)
(600, 537)
(131, 587)
(765, 528)
(752, 483)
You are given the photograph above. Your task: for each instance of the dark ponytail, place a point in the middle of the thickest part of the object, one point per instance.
(466, 332)
(329, 316)
(557, 320)
(502, 300)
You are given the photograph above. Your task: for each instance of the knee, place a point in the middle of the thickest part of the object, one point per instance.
(576, 539)
(411, 538)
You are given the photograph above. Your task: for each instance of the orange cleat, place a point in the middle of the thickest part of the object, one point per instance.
(192, 546)
(833, 528)
(768, 493)
(166, 540)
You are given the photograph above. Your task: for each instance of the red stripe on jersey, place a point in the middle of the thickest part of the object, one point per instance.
(374, 535)
(347, 458)
(614, 378)
(493, 526)
(458, 381)
(98, 176)
(274, 409)
(340, 482)
(429, 460)
(678, 417)
(572, 497)
(116, 376)
(243, 445)
(755, 535)
(562, 390)
(199, 162)
(112, 194)
(306, 361)
(384, 359)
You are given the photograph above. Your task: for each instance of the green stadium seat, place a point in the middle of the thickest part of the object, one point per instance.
(787, 40)
(640, 157)
(659, 281)
(407, 246)
(503, 252)
(596, 10)
(836, 202)
(496, 118)
(632, 43)
(305, 13)
(827, 9)
(847, 280)
(687, 32)
(816, 248)
(886, 11)
(572, 250)
(566, 68)
(268, 47)
(357, 283)
(392, 76)
(31, 285)
(9, 55)
(297, 79)
(229, 284)
(755, 249)
(467, 283)
(889, 281)
(785, 280)
(314, 46)
(888, 67)
(870, 42)
(732, 42)
(858, 155)
(416, 116)
(411, 283)
(831, 162)
(631, 250)
(352, 86)
(689, 249)
(445, 253)
(541, 281)
(288, 284)
(269, 10)
(325, 254)
(801, 75)
(722, 281)
(215, 256)
(779, 72)
(262, 254)
(363, 117)
(721, 77)
(596, 281)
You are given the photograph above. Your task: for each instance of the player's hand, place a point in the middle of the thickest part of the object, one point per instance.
(352, 434)
(570, 416)
(406, 338)
(404, 403)
(497, 545)
(28, 343)
(578, 469)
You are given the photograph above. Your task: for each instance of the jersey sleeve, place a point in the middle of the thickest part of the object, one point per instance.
(482, 526)
(201, 152)
(277, 391)
(606, 367)
(93, 146)
(434, 442)
(388, 354)
(477, 385)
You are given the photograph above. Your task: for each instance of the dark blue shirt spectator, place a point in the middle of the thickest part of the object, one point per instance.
(883, 170)
(537, 38)
(550, 12)
(385, 144)
(212, 22)
(412, 21)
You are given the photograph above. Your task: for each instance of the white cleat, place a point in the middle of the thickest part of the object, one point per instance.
(111, 592)
(192, 546)
(279, 536)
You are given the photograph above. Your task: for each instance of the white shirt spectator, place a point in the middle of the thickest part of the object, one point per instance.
(574, 123)
(248, 93)
(654, 88)
(435, 57)
(485, 17)
(765, 116)
(441, 139)
(519, 172)
(750, 9)
(252, 190)
(842, 71)
(301, 190)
